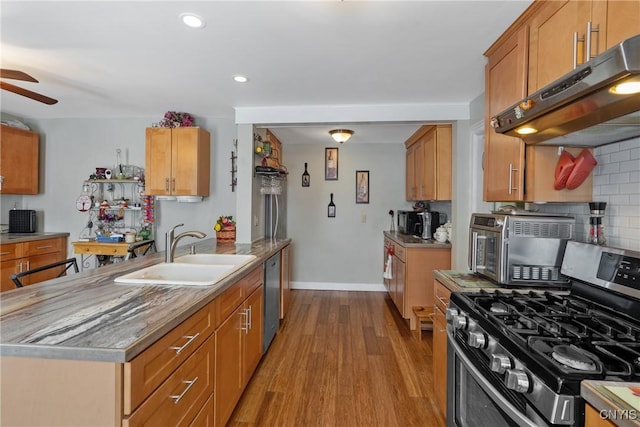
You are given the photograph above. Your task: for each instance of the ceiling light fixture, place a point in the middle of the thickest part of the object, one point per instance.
(341, 135)
(240, 79)
(191, 20)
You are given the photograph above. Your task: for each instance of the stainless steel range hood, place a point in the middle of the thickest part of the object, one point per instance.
(583, 108)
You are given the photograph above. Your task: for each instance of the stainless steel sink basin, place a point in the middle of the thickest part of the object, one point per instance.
(216, 259)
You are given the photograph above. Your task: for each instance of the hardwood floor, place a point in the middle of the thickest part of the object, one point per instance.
(342, 359)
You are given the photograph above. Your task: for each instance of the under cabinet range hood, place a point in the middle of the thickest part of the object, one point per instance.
(598, 103)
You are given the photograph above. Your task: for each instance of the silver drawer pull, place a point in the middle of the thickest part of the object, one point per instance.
(190, 339)
(445, 303)
(44, 247)
(176, 397)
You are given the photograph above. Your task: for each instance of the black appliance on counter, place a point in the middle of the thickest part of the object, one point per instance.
(410, 222)
(22, 221)
(517, 357)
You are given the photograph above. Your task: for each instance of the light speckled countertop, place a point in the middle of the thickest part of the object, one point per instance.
(613, 396)
(462, 281)
(410, 241)
(28, 237)
(86, 316)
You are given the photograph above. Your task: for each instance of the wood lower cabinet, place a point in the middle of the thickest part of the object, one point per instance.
(592, 418)
(238, 342)
(441, 302)
(192, 376)
(177, 161)
(285, 281)
(412, 268)
(18, 257)
(428, 157)
(19, 161)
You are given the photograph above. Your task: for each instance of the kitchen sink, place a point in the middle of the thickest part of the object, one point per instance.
(179, 274)
(216, 259)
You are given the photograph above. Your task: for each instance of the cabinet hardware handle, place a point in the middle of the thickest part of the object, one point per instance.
(442, 300)
(173, 184)
(166, 184)
(511, 171)
(245, 323)
(590, 30)
(177, 397)
(250, 317)
(190, 339)
(5, 253)
(44, 247)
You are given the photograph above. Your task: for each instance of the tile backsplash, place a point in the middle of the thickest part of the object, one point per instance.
(616, 180)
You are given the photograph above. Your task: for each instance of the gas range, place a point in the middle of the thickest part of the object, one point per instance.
(532, 348)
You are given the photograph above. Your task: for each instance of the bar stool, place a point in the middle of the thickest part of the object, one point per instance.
(424, 316)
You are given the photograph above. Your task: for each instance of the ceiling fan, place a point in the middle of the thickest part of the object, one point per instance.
(20, 75)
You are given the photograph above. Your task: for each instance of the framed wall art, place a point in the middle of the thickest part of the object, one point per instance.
(362, 186)
(331, 164)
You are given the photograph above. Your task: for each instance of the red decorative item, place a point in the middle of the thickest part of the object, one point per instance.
(584, 164)
(565, 165)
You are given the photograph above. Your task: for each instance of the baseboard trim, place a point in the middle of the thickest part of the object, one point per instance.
(332, 286)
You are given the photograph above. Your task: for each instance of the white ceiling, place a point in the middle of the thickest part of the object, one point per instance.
(136, 59)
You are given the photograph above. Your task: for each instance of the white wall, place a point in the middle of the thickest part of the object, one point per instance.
(346, 251)
(72, 149)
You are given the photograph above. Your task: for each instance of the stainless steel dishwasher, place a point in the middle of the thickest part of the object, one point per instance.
(271, 300)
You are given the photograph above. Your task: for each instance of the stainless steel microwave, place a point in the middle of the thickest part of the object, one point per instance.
(519, 249)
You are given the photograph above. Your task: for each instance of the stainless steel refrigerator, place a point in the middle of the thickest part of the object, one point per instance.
(275, 207)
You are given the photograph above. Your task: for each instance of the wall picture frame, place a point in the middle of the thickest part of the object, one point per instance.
(362, 186)
(331, 164)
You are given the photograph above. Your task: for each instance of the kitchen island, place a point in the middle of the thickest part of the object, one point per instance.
(71, 347)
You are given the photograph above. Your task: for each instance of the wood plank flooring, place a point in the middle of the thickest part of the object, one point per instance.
(342, 359)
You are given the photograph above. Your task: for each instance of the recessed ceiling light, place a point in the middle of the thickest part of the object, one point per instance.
(192, 20)
(240, 79)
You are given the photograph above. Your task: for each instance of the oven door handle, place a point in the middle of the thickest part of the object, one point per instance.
(494, 394)
(475, 237)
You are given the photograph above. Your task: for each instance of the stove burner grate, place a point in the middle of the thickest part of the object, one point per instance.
(574, 357)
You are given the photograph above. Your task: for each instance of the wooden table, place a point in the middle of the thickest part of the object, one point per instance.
(105, 253)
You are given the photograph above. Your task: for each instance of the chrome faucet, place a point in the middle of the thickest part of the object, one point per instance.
(171, 242)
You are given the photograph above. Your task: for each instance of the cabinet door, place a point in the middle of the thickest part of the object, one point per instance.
(253, 333)
(440, 359)
(551, 47)
(617, 20)
(7, 269)
(190, 174)
(228, 375)
(505, 84)
(158, 161)
(419, 169)
(399, 285)
(285, 281)
(442, 179)
(410, 187)
(39, 261)
(19, 158)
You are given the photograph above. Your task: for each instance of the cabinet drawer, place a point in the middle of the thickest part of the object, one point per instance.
(229, 301)
(399, 251)
(11, 251)
(181, 397)
(205, 416)
(253, 279)
(150, 368)
(441, 296)
(47, 246)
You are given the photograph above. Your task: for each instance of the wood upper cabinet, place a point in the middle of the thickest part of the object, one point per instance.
(554, 49)
(505, 84)
(428, 175)
(19, 160)
(177, 161)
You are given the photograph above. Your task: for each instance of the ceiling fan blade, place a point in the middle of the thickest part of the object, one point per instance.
(29, 94)
(16, 75)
